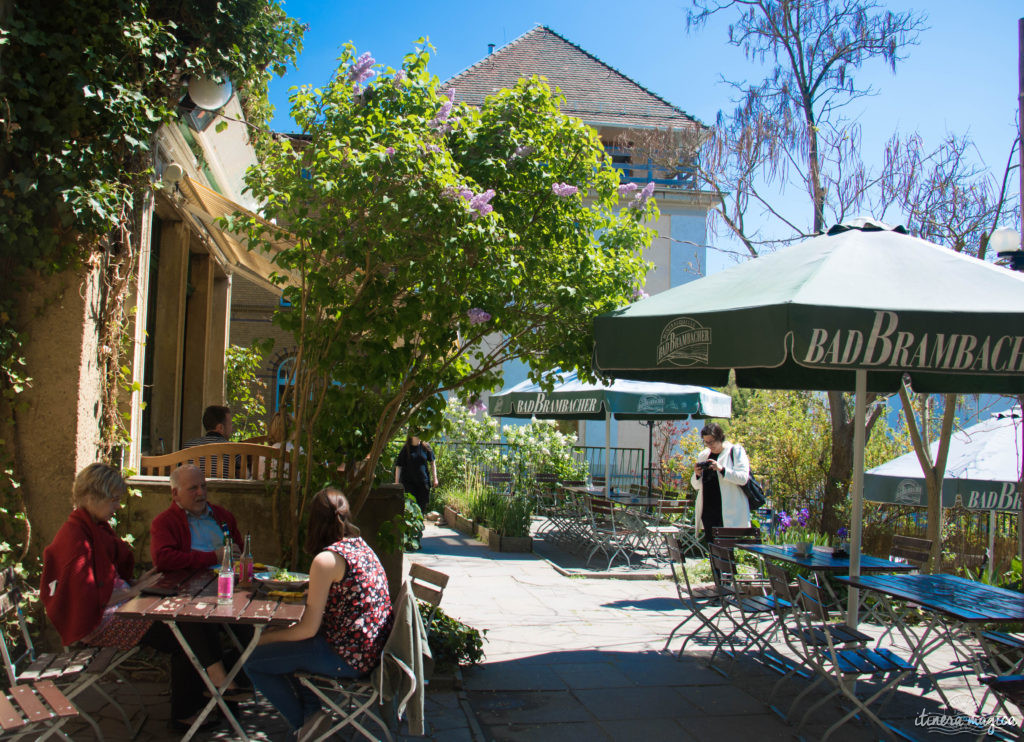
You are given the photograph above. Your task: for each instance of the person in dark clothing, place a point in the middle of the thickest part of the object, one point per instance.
(416, 470)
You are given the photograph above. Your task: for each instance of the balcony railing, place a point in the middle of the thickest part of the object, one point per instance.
(633, 168)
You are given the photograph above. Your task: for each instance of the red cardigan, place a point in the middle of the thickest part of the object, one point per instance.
(79, 569)
(170, 540)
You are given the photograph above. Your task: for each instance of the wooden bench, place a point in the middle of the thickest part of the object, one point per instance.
(219, 461)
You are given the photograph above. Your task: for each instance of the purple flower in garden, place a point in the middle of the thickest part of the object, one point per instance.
(433, 148)
(477, 406)
(784, 520)
(399, 77)
(639, 294)
(843, 532)
(641, 198)
(479, 204)
(626, 188)
(450, 92)
(360, 71)
(477, 316)
(390, 150)
(563, 190)
(803, 516)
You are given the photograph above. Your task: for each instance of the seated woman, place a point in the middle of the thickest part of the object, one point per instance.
(347, 619)
(86, 574)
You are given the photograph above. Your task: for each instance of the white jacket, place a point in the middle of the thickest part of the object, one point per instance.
(735, 508)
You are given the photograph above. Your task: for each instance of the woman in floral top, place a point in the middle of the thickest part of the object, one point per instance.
(346, 622)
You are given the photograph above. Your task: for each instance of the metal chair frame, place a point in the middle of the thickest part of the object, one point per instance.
(73, 671)
(706, 604)
(351, 699)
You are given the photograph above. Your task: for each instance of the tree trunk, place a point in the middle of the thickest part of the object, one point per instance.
(840, 469)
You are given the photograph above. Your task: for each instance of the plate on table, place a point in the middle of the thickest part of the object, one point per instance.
(280, 579)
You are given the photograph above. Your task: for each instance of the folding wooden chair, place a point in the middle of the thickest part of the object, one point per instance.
(353, 701)
(675, 518)
(732, 536)
(744, 610)
(706, 604)
(607, 534)
(38, 710)
(916, 551)
(73, 671)
(840, 657)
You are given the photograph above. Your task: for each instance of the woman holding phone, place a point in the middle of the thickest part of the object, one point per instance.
(719, 474)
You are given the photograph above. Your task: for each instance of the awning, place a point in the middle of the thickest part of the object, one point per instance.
(207, 207)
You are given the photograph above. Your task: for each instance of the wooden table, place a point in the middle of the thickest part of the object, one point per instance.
(196, 601)
(950, 602)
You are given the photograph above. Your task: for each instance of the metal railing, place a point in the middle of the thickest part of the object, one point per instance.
(634, 167)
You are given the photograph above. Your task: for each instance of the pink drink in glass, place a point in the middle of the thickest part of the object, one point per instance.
(225, 586)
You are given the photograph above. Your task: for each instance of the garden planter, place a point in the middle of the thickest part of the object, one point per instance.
(518, 544)
(494, 541)
(484, 534)
(465, 525)
(450, 516)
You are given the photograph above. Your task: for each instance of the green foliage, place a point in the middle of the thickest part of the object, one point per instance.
(452, 643)
(402, 531)
(246, 391)
(539, 446)
(788, 437)
(85, 89)
(420, 228)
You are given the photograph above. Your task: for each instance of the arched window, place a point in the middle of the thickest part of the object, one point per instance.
(284, 378)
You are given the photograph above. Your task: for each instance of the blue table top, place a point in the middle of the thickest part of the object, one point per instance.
(963, 599)
(819, 561)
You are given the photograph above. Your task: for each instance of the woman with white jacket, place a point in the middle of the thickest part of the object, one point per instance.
(718, 476)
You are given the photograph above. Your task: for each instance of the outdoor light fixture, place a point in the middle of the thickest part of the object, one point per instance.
(172, 174)
(1006, 243)
(209, 93)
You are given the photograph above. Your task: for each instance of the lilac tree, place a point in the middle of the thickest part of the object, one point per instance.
(430, 244)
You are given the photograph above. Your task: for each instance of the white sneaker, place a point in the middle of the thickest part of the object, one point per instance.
(312, 726)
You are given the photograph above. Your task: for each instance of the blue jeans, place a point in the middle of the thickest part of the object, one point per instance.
(272, 668)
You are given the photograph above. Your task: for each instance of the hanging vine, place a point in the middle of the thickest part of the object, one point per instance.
(83, 89)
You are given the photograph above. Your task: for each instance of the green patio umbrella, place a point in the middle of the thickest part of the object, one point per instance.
(852, 310)
(572, 399)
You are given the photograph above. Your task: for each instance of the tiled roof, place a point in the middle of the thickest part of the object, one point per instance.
(596, 93)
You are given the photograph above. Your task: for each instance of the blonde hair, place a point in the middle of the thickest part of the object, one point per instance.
(98, 482)
(276, 429)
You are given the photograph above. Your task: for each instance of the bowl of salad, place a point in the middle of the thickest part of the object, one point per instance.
(282, 579)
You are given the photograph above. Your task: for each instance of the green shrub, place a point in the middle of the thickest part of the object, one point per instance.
(452, 643)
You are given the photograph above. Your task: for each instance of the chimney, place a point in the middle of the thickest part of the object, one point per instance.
(490, 49)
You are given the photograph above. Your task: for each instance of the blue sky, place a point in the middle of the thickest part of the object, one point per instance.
(962, 77)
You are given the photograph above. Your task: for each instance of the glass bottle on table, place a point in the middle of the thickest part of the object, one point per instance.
(245, 563)
(226, 577)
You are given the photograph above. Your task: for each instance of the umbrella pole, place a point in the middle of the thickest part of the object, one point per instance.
(857, 487)
(991, 542)
(607, 451)
(650, 455)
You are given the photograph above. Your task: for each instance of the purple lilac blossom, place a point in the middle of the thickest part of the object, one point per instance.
(641, 198)
(360, 71)
(639, 294)
(477, 406)
(562, 190)
(390, 150)
(477, 316)
(479, 204)
(399, 77)
(626, 188)
(451, 94)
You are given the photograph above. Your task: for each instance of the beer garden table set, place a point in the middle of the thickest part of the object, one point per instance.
(192, 596)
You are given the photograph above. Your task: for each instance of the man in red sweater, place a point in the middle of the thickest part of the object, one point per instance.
(190, 533)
